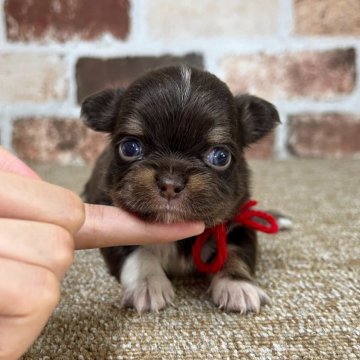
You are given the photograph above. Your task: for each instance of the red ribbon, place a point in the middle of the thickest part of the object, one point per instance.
(245, 217)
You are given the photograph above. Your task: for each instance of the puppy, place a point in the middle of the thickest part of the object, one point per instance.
(176, 154)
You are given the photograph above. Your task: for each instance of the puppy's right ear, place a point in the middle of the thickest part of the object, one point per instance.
(99, 111)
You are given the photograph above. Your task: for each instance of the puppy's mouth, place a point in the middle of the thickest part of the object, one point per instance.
(162, 213)
(170, 215)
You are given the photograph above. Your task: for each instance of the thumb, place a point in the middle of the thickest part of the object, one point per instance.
(10, 163)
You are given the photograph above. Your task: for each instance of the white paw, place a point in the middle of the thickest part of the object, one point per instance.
(237, 295)
(146, 286)
(149, 294)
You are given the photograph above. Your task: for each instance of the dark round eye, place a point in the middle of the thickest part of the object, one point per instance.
(130, 149)
(218, 157)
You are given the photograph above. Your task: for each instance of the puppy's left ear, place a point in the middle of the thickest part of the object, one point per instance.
(99, 111)
(257, 116)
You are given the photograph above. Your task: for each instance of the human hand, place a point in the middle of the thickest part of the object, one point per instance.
(39, 230)
(37, 224)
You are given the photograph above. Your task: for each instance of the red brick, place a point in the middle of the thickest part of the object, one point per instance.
(62, 20)
(310, 74)
(94, 74)
(63, 141)
(262, 149)
(324, 135)
(327, 17)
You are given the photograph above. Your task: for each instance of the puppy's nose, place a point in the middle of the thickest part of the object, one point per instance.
(170, 186)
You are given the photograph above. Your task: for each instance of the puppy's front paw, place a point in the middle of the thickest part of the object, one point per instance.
(237, 295)
(151, 293)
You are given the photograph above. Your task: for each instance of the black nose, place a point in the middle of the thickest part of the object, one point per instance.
(170, 185)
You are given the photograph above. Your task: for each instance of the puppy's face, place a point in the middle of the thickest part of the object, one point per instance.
(177, 143)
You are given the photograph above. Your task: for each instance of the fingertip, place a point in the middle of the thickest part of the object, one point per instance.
(175, 231)
(200, 227)
(194, 228)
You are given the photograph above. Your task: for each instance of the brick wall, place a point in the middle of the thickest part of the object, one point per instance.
(303, 55)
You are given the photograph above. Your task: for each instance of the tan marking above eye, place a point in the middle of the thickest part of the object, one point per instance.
(132, 127)
(218, 135)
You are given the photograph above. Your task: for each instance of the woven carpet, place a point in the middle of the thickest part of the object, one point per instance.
(311, 274)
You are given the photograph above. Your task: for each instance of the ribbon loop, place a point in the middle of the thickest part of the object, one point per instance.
(246, 217)
(220, 236)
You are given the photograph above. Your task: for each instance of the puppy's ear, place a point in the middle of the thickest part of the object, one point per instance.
(257, 116)
(99, 111)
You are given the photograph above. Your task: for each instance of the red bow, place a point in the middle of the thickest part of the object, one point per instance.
(246, 218)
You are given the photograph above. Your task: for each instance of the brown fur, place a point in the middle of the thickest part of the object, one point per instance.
(178, 115)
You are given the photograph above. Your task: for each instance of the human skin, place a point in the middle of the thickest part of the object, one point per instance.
(41, 225)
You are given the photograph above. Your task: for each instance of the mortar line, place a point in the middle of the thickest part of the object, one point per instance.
(2, 24)
(6, 131)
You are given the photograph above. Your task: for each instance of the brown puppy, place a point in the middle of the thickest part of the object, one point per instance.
(178, 137)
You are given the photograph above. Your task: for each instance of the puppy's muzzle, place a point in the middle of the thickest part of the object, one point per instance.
(170, 185)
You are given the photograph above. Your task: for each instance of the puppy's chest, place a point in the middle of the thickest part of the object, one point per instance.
(172, 259)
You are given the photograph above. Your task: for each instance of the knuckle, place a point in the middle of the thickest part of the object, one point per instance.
(63, 254)
(43, 294)
(48, 290)
(75, 217)
(6, 350)
(36, 298)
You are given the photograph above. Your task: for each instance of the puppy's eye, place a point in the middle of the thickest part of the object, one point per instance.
(218, 157)
(130, 149)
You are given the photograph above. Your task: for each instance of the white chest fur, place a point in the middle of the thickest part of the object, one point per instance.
(170, 259)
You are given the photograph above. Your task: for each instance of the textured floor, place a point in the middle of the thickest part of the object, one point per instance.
(311, 274)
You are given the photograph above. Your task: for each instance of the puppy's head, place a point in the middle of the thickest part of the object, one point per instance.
(177, 144)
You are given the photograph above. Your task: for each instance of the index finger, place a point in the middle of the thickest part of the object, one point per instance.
(29, 199)
(110, 226)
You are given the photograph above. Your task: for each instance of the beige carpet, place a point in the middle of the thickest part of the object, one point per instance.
(311, 274)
